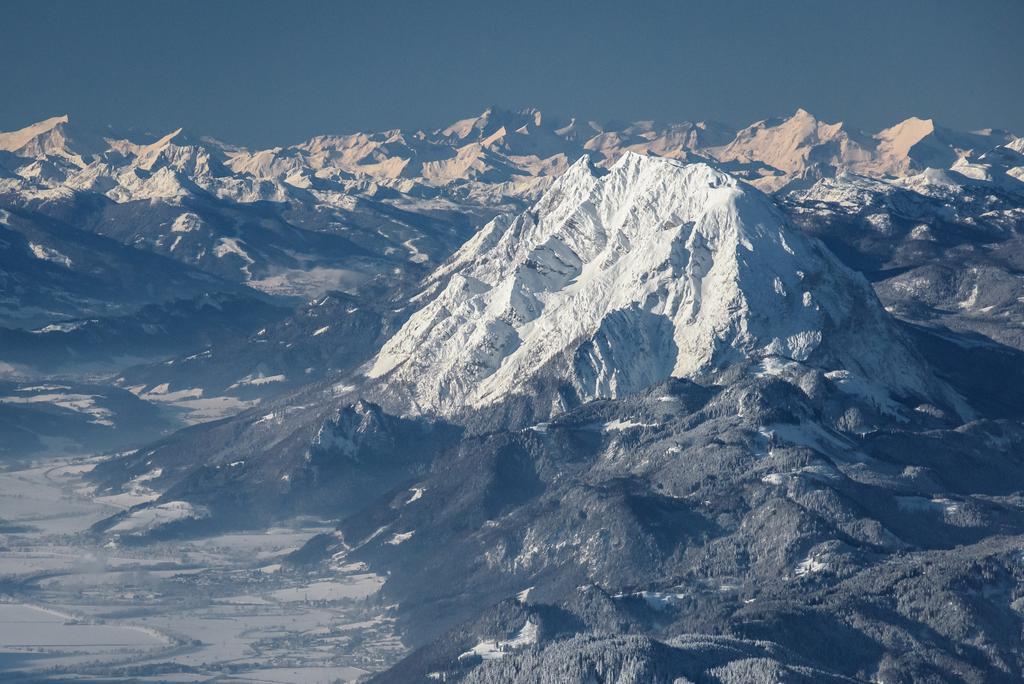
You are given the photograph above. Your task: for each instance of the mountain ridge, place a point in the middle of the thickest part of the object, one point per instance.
(532, 145)
(646, 398)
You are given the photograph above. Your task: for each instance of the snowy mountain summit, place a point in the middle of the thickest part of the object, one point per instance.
(612, 283)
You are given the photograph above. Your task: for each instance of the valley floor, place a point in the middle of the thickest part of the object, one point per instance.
(219, 607)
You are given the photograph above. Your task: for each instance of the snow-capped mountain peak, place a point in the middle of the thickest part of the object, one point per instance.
(610, 284)
(15, 140)
(796, 144)
(55, 139)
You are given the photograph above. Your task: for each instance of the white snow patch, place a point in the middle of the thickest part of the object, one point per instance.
(810, 566)
(150, 518)
(659, 600)
(200, 409)
(350, 587)
(415, 255)
(186, 223)
(79, 403)
(227, 246)
(859, 386)
(135, 492)
(256, 380)
(918, 503)
(619, 424)
(47, 254)
(492, 650)
(308, 283)
(67, 326)
(400, 537)
(162, 393)
(342, 388)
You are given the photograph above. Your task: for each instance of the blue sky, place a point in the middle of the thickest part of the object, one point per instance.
(266, 73)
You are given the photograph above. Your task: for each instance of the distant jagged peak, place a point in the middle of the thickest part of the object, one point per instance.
(56, 138)
(1002, 166)
(801, 126)
(163, 141)
(576, 131)
(901, 137)
(493, 118)
(795, 147)
(181, 137)
(682, 140)
(801, 118)
(916, 144)
(15, 140)
(183, 152)
(496, 136)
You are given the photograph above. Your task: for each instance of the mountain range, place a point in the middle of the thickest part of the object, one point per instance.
(637, 402)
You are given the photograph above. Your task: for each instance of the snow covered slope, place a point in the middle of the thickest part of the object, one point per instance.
(611, 284)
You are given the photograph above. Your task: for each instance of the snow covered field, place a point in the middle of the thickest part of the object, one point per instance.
(73, 605)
